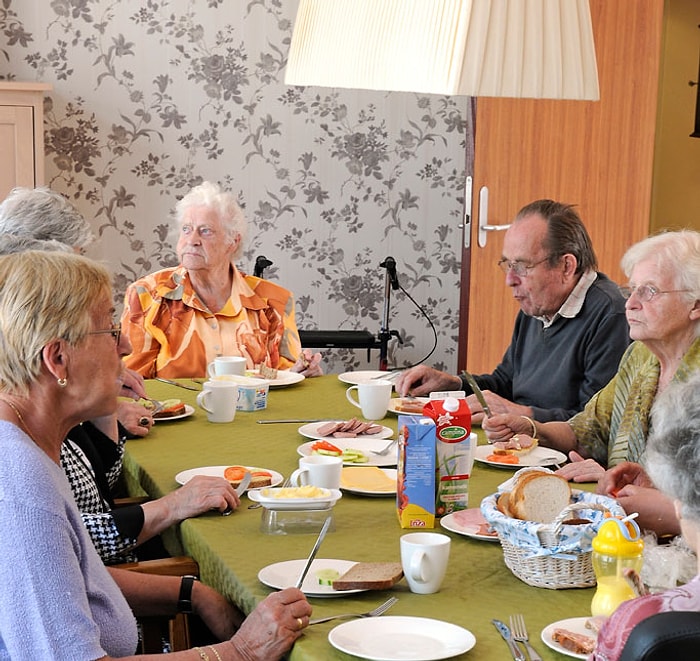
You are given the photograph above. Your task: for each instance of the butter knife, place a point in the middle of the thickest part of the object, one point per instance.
(175, 383)
(508, 637)
(477, 391)
(314, 550)
(240, 489)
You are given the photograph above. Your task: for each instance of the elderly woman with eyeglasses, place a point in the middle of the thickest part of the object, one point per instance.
(179, 319)
(59, 365)
(663, 312)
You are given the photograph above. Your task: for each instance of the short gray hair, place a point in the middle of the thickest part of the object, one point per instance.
(672, 457)
(40, 213)
(43, 296)
(224, 203)
(11, 244)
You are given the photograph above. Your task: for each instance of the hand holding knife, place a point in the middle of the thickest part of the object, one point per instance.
(477, 391)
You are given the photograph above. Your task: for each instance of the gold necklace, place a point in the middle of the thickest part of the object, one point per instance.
(19, 417)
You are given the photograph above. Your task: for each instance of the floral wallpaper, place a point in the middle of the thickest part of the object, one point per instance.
(153, 97)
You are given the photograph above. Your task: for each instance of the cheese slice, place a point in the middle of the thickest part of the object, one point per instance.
(366, 478)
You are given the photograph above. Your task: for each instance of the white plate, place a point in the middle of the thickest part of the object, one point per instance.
(575, 624)
(470, 523)
(189, 410)
(355, 378)
(396, 638)
(535, 458)
(310, 430)
(389, 472)
(284, 378)
(218, 471)
(271, 503)
(283, 575)
(395, 400)
(364, 444)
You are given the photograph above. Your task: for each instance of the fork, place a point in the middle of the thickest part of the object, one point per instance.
(517, 628)
(379, 610)
(157, 406)
(385, 451)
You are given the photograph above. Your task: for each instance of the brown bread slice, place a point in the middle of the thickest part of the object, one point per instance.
(370, 576)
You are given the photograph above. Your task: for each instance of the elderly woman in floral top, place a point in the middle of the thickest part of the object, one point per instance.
(663, 311)
(179, 319)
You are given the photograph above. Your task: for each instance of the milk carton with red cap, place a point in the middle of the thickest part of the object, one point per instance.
(455, 445)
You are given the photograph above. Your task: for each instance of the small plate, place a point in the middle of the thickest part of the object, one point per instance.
(364, 444)
(394, 402)
(397, 638)
(281, 575)
(355, 378)
(189, 410)
(470, 523)
(346, 483)
(284, 378)
(575, 624)
(534, 458)
(322, 502)
(310, 430)
(218, 471)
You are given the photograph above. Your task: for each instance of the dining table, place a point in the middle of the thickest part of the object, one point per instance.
(231, 550)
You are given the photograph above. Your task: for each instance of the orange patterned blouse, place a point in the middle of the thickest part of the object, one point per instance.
(174, 335)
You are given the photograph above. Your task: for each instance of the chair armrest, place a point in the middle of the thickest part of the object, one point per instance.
(177, 566)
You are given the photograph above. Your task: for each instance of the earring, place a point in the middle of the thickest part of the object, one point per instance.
(63, 382)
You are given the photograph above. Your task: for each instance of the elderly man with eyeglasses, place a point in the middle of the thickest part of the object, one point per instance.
(570, 332)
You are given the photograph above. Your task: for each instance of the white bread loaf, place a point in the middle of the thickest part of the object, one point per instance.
(370, 576)
(539, 496)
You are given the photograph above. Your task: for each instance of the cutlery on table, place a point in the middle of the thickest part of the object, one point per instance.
(384, 451)
(157, 406)
(477, 391)
(274, 422)
(379, 610)
(387, 375)
(314, 551)
(247, 477)
(175, 383)
(508, 637)
(519, 632)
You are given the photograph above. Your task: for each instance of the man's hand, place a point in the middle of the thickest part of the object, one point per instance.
(497, 404)
(422, 380)
(580, 469)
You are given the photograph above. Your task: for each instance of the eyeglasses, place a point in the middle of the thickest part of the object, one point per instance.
(115, 332)
(520, 269)
(646, 292)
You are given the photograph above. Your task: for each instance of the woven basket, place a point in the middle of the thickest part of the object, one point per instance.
(554, 556)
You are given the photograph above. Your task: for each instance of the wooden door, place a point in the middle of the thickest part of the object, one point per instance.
(17, 148)
(597, 155)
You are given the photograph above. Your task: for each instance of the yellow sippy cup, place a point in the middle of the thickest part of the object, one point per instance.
(616, 547)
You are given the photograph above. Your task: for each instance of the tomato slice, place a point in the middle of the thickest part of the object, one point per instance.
(325, 445)
(503, 458)
(234, 473)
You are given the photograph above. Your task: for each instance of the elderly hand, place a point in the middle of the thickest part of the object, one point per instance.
(132, 385)
(200, 494)
(135, 418)
(271, 629)
(422, 380)
(580, 469)
(308, 364)
(497, 404)
(504, 425)
(620, 476)
(655, 509)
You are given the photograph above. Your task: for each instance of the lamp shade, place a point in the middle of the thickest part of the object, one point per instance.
(539, 49)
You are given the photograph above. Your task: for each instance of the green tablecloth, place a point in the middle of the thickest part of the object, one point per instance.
(231, 550)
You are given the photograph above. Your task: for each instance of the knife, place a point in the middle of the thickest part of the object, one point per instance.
(508, 637)
(477, 391)
(175, 383)
(240, 489)
(314, 550)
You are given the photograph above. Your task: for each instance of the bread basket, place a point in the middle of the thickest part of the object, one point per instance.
(552, 555)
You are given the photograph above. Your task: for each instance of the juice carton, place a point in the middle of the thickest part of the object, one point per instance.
(454, 447)
(415, 488)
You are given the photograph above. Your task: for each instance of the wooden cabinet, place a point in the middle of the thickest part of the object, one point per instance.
(596, 155)
(21, 135)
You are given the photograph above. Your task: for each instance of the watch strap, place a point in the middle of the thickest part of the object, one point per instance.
(184, 600)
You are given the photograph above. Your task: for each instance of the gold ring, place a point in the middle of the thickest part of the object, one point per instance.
(301, 623)
(143, 422)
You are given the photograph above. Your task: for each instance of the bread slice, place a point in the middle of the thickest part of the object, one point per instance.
(539, 496)
(518, 445)
(171, 408)
(370, 576)
(258, 478)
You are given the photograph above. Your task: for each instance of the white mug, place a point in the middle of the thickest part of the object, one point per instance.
(219, 399)
(374, 398)
(319, 471)
(226, 365)
(424, 557)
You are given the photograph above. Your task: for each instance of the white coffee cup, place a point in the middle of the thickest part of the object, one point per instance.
(319, 471)
(424, 557)
(222, 365)
(219, 399)
(374, 398)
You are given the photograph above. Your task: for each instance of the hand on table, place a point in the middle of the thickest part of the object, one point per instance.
(135, 418)
(422, 380)
(201, 494)
(271, 629)
(580, 469)
(308, 364)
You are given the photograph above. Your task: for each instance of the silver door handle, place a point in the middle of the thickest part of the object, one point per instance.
(484, 217)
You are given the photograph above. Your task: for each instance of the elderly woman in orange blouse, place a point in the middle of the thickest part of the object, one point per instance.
(179, 319)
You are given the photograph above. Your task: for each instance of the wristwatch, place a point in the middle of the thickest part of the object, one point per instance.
(184, 601)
